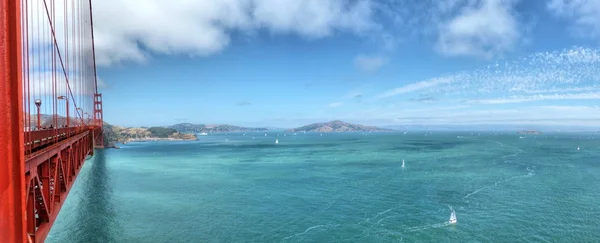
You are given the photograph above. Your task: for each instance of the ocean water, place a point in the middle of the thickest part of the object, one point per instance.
(346, 187)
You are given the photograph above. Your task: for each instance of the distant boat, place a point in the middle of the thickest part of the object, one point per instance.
(402, 163)
(452, 217)
(276, 141)
(577, 147)
(265, 134)
(203, 134)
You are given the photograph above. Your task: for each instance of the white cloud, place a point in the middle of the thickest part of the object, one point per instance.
(564, 90)
(521, 99)
(101, 84)
(46, 84)
(484, 28)
(418, 86)
(129, 30)
(369, 63)
(583, 14)
(336, 104)
(570, 70)
(467, 115)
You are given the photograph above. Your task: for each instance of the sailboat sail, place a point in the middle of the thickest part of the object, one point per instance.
(452, 217)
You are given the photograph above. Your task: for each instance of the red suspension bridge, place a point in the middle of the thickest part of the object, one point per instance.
(50, 110)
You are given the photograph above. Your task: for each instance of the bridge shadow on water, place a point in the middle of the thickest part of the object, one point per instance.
(95, 211)
(89, 214)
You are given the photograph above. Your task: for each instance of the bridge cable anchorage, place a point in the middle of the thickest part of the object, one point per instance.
(53, 119)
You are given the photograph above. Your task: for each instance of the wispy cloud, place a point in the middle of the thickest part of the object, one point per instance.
(101, 83)
(369, 63)
(468, 115)
(336, 104)
(417, 86)
(244, 103)
(354, 94)
(564, 90)
(571, 70)
(583, 15)
(424, 99)
(521, 99)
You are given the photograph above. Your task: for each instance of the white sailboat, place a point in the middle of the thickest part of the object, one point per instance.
(402, 163)
(276, 141)
(577, 147)
(452, 217)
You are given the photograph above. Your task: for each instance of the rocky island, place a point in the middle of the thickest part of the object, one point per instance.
(212, 128)
(183, 131)
(116, 134)
(530, 132)
(338, 126)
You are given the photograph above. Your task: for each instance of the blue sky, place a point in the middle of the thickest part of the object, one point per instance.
(376, 62)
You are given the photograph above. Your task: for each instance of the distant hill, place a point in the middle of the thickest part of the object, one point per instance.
(50, 120)
(116, 134)
(208, 128)
(529, 132)
(338, 126)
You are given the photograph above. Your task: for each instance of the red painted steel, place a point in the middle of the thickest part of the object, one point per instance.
(98, 119)
(50, 174)
(12, 183)
(40, 154)
(38, 139)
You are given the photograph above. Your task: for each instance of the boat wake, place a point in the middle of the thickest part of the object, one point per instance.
(518, 150)
(309, 229)
(426, 227)
(381, 219)
(377, 216)
(530, 172)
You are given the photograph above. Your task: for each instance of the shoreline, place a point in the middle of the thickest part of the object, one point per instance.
(158, 139)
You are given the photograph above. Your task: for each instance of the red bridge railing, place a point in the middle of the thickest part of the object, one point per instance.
(50, 110)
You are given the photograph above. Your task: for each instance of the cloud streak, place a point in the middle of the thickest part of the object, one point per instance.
(575, 71)
(576, 96)
(336, 104)
(369, 63)
(469, 115)
(584, 16)
(244, 103)
(418, 86)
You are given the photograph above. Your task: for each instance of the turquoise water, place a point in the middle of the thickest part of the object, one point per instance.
(340, 188)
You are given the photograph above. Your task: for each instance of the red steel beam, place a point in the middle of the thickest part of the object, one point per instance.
(12, 178)
(50, 176)
(37, 139)
(33, 186)
(44, 155)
